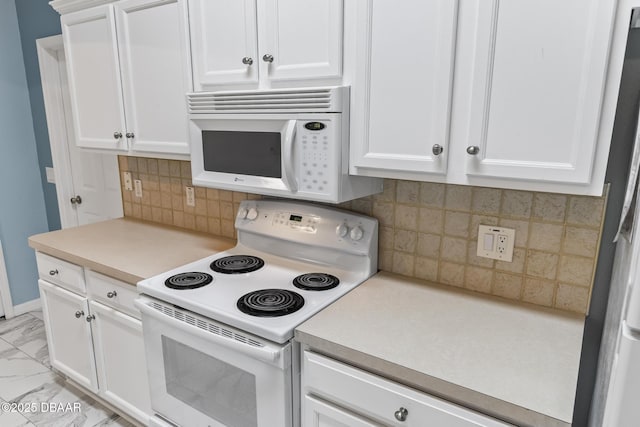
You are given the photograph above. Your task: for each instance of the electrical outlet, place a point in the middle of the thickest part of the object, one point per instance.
(138, 186)
(191, 197)
(496, 242)
(128, 182)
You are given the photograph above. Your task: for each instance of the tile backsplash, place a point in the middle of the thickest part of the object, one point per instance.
(428, 231)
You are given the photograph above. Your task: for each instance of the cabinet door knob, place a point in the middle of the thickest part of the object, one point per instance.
(401, 414)
(117, 135)
(76, 200)
(437, 149)
(53, 272)
(79, 314)
(473, 150)
(112, 294)
(247, 60)
(130, 135)
(91, 317)
(267, 58)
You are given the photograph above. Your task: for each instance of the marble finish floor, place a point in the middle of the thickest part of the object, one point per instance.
(34, 394)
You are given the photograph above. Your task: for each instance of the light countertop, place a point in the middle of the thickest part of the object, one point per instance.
(128, 249)
(514, 361)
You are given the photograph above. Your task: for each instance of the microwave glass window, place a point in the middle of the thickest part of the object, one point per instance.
(215, 388)
(243, 153)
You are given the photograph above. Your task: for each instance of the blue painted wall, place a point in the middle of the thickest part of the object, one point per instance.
(22, 209)
(36, 19)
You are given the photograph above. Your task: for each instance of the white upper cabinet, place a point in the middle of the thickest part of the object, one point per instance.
(94, 78)
(509, 93)
(537, 83)
(400, 119)
(224, 42)
(128, 74)
(304, 38)
(265, 43)
(154, 74)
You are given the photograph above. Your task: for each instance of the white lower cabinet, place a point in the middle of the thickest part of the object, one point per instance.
(69, 334)
(120, 360)
(337, 395)
(324, 414)
(99, 345)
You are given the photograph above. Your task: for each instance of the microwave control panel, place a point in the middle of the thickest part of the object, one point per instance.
(316, 162)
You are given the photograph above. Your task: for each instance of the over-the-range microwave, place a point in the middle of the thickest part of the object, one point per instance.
(287, 143)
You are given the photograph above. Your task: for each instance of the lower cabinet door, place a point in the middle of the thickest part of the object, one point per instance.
(317, 413)
(69, 334)
(120, 359)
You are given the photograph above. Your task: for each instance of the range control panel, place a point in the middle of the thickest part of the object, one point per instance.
(307, 223)
(296, 221)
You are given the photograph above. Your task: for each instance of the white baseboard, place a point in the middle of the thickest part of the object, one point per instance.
(26, 307)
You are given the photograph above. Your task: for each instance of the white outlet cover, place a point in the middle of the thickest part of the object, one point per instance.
(191, 197)
(137, 184)
(496, 242)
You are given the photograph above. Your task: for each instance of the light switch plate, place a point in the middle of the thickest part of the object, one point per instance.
(51, 179)
(128, 182)
(496, 242)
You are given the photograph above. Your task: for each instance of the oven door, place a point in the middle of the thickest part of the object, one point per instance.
(244, 152)
(203, 373)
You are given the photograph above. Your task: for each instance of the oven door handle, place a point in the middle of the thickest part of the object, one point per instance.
(287, 160)
(266, 354)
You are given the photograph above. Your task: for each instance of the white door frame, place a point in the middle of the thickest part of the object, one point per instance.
(5, 291)
(48, 49)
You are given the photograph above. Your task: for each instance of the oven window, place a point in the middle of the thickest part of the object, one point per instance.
(211, 386)
(244, 153)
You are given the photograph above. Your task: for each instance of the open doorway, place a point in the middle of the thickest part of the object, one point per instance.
(87, 183)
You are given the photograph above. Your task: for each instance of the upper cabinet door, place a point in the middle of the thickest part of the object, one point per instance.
(224, 43)
(153, 59)
(401, 114)
(301, 39)
(536, 87)
(94, 78)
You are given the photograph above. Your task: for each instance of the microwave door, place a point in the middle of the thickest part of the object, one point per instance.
(288, 162)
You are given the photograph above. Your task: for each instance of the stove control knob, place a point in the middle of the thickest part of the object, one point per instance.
(252, 214)
(356, 233)
(242, 213)
(342, 230)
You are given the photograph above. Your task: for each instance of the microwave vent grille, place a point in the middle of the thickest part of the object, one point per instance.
(268, 101)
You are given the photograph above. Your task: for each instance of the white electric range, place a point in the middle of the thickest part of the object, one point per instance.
(218, 331)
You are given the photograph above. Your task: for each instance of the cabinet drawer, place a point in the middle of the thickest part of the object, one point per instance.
(379, 399)
(112, 292)
(63, 273)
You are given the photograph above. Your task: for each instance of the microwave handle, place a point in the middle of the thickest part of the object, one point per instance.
(289, 137)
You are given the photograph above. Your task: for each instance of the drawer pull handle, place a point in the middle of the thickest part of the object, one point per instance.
(112, 294)
(79, 314)
(401, 414)
(53, 272)
(91, 317)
